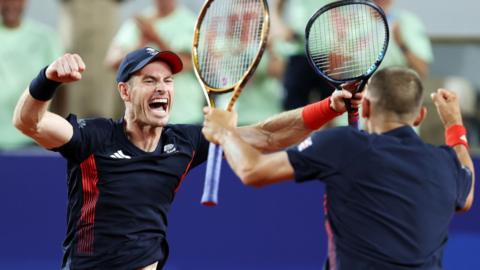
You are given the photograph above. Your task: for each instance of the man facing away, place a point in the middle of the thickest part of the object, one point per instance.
(389, 196)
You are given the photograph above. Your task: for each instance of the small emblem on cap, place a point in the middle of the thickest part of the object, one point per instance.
(152, 51)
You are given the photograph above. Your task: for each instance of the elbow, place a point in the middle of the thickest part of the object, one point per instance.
(467, 206)
(18, 123)
(29, 129)
(251, 178)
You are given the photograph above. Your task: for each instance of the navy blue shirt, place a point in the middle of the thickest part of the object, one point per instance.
(119, 196)
(389, 197)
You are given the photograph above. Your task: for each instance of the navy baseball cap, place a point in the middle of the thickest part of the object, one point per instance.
(136, 60)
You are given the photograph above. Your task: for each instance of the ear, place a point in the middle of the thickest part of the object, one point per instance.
(366, 108)
(124, 90)
(421, 116)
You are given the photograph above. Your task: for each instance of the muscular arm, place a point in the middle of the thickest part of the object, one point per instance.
(242, 146)
(32, 119)
(31, 116)
(289, 128)
(252, 167)
(277, 132)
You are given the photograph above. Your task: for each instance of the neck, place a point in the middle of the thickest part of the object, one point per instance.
(144, 137)
(381, 124)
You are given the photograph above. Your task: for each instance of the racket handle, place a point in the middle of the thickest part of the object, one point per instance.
(352, 117)
(212, 176)
(353, 114)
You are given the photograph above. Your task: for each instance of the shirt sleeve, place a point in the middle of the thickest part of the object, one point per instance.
(463, 177)
(325, 153)
(464, 184)
(87, 136)
(199, 143)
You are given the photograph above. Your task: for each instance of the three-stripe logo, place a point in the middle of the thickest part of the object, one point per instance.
(120, 155)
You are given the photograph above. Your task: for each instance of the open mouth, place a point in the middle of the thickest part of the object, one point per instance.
(159, 104)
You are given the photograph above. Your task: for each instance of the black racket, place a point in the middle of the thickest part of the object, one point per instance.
(346, 41)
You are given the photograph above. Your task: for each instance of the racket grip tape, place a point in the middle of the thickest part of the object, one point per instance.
(212, 176)
(353, 118)
(353, 114)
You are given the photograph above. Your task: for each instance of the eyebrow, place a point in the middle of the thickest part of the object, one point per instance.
(155, 78)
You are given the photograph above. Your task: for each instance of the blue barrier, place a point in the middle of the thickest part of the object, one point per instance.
(278, 227)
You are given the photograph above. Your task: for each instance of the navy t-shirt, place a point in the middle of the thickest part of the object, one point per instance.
(119, 196)
(389, 197)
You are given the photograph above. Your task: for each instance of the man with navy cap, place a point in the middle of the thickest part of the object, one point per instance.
(123, 175)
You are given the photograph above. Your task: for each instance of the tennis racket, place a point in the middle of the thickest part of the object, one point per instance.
(346, 41)
(229, 39)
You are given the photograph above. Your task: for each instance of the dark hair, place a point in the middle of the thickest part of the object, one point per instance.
(397, 90)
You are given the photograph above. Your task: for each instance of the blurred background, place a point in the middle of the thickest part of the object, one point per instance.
(278, 227)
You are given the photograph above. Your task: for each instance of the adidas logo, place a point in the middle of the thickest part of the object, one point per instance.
(120, 155)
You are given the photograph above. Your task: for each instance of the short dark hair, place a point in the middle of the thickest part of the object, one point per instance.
(397, 90)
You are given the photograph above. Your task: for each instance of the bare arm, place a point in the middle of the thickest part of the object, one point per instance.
(288, 128)
(242, 146)
(252, 167)
(449, 111)
(31, 116)
(277, 132)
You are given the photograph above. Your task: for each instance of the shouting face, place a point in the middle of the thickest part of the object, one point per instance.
(148, 95)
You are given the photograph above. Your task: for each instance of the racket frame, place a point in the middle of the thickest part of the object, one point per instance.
(380, 57)
(238, 87)
(214, 161)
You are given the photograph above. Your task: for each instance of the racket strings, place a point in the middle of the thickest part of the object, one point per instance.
(345, 42)
(230, 37)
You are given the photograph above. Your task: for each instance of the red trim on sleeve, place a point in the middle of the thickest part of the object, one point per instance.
(332, 254)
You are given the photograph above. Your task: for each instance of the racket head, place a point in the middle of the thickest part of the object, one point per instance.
(347, 40)
(229, 39)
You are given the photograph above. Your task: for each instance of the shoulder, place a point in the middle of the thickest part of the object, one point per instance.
(342, 135)
(89, 135)
(446, 152)
(335, 141)
(92, 123)
(92, 127)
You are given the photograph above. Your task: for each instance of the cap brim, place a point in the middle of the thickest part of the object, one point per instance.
(172, 59)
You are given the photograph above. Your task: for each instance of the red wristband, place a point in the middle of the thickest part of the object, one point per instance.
(317, 114)
(455, 135)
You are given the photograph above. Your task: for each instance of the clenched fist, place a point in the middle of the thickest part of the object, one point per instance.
(65, 69)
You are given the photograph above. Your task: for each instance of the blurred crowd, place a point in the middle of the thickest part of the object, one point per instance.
(92, 28)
